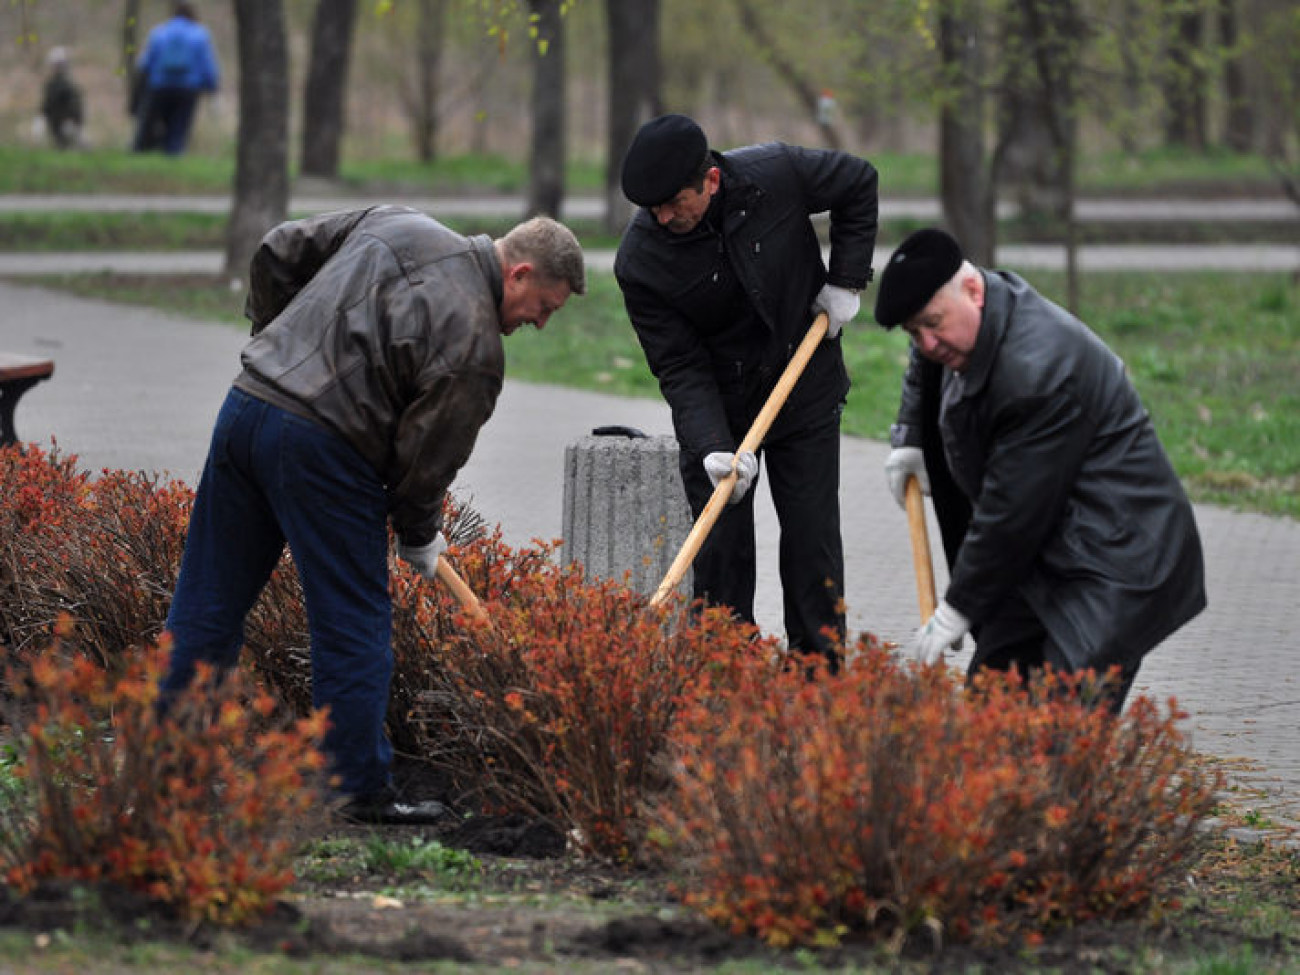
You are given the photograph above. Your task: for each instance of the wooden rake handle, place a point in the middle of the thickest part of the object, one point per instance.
(753, 440)
(461, 590)
(920, 549)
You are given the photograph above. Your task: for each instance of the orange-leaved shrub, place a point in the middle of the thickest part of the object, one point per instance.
(887, 800)
(562, 704)
(101, 553)
(193, 808)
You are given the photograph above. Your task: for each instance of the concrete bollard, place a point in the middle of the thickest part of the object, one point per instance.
(625, 510)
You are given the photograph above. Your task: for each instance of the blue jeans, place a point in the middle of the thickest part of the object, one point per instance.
(273, 477)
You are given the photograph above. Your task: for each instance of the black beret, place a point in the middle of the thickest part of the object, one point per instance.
(664, 156)
(920, 266)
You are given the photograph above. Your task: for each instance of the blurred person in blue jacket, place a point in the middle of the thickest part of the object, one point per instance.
(177, 65)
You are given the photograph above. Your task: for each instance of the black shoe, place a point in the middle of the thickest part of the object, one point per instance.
(393, 812)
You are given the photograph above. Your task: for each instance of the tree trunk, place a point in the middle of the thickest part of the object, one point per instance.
(1056, 35)
(547, 151)
(130, 49)
(1239, 125)
(633, 91)
(424, 109)
(261, 196)
(324, 98)
(967, 192)
(1185, 122)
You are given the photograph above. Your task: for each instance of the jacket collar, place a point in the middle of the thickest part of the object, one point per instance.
(993, 318)
(486, 254)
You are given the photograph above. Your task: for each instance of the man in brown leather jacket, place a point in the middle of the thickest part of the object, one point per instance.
(1070, 539)
(376, 357)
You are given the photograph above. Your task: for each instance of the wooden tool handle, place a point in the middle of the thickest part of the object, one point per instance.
(920, 549)
(753, 440)
(461, 590)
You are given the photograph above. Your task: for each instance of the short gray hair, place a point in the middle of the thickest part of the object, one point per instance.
(967, 270)
(551, 248)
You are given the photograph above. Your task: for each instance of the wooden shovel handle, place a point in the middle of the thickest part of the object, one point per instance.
(753, 440)
(920, 549)
(461, 590)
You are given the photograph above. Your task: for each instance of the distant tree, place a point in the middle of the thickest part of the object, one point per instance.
(324, 98)
(548, 142)
(965, 181)
(421, 96)
(1274, 51)
(1059, 36)
(1239, 115)
(1185, 76)
(789, 70)
(261, 192)
(130, 49)
(634, 80)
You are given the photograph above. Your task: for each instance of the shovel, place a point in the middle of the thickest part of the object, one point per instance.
(461, 590)
(753, 440)
(920, 549)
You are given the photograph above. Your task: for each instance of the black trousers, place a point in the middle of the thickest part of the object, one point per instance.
(1014, 637)
(803, 470)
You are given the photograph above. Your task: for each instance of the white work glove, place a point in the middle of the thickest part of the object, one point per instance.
(718, 465)
(944, 631)
(423, 558)
(840, 305)
(901, 463)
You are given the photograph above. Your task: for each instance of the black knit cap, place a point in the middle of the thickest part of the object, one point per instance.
(920, 266)
(664, 156)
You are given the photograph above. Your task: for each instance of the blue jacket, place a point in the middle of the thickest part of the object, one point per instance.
(179, 54)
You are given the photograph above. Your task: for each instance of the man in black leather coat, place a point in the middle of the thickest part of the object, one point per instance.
(722, 274)
(1070, 539)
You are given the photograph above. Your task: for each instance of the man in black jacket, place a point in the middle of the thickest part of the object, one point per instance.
(1070, 539)
(722, 274)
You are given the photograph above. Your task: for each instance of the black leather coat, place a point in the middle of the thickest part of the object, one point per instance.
(712, 365)
(1073, 502)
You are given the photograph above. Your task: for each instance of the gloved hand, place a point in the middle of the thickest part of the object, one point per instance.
(901, 463)
(840, 305)
(718, 465)
(423, 558)
(944, 631)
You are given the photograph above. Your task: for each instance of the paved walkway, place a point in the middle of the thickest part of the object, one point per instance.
(138, 389)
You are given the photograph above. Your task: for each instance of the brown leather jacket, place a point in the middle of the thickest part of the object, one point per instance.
(383, 326)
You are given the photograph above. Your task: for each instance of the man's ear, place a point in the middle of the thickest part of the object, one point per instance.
(520, 271)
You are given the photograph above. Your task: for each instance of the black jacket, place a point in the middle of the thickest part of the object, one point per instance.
(1073, 502)
(716, 368)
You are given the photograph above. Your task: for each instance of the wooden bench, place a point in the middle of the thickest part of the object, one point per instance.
(18, 373)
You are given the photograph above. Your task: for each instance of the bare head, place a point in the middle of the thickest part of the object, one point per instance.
(541, 265)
